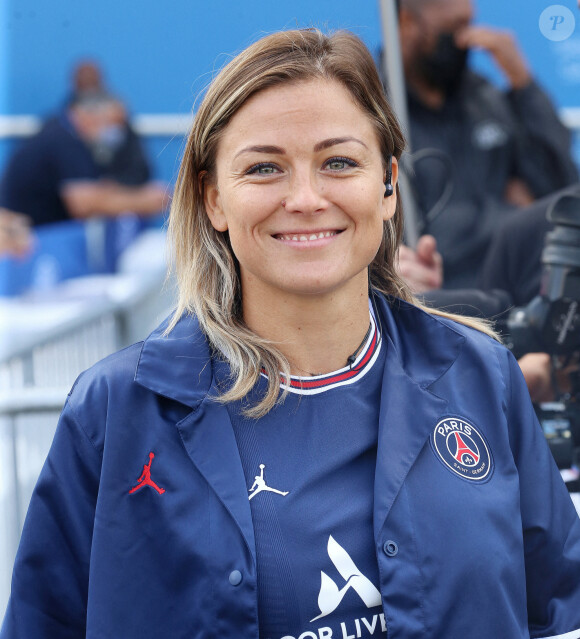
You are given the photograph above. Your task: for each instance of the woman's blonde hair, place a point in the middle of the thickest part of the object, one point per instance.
(206, 268)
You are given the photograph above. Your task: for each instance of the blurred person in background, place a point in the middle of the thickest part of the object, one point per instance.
(504, 149)
(118, 152)
(56, 174)
(301, 449)
(87, 77)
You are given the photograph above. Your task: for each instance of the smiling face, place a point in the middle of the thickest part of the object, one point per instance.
(299, 186)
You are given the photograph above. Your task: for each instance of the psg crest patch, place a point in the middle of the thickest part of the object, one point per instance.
(462, 449)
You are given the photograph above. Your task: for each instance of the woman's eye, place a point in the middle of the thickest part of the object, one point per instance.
(338, 164)
(262, 169)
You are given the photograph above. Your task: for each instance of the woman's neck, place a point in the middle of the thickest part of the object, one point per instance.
(316, 333)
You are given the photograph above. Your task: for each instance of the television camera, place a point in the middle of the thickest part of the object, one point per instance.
(550, 323)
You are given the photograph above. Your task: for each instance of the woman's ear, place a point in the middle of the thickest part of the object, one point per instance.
(213, 203)
(390, 202)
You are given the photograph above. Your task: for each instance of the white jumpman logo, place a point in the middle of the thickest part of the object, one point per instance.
(260, 484)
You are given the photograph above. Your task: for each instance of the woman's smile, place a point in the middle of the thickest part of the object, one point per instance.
(306, 238)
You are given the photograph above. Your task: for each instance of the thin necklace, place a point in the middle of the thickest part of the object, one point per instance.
(350, 360)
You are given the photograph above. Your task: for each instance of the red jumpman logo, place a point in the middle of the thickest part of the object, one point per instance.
(463, 449)
(145, 479)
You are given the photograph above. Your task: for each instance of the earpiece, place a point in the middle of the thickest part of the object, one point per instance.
(388, 184)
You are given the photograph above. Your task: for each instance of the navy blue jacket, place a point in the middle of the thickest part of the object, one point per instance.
(120, 543)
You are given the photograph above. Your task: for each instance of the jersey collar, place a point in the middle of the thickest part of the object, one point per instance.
(315, 384)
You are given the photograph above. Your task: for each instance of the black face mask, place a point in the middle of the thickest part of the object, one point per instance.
(443, 68)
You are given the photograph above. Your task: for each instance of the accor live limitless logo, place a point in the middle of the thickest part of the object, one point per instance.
(331, 595)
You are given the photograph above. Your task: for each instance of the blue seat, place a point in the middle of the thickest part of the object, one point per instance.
(66, 250)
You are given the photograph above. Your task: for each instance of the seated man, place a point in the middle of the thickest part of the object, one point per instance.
(53, 176)
(505, 149)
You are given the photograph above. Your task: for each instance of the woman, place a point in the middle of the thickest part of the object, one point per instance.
(286, 458)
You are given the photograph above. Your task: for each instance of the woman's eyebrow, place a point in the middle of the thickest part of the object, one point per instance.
(261, 148)
(319, 146)
(325, 144)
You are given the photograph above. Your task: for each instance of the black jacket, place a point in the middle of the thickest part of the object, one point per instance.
(490, 137)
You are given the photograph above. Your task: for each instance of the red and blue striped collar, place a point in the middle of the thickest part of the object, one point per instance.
(364, 361)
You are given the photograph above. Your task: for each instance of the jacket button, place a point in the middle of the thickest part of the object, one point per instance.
(235, 577)
(390, 547)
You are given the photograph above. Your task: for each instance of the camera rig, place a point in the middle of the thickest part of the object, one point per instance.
(550, 323)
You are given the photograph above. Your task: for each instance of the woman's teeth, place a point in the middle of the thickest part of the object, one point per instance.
(306, 238)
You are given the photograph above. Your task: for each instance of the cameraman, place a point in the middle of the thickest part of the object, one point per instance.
(505, 148)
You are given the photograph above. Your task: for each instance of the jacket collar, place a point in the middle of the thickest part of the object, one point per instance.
(424, 345)
(178, 365)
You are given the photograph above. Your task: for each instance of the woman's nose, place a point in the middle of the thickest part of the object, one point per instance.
(304, 195)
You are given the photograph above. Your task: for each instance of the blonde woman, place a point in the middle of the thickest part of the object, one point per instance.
(300, 451)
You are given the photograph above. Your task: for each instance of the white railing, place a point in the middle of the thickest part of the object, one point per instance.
(28, 420)
(570, 116)
(146, 124)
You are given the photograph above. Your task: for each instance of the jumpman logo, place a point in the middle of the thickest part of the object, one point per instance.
(145, 479)
(330, 595)
(465, 454)
(259, 485)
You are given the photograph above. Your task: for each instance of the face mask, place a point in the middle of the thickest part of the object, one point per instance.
(443, 67)
(112, 136)
(108, 141)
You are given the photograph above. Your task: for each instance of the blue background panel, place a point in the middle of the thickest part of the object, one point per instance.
(157, 54)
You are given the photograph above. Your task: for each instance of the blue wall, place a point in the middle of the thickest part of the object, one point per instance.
(158, 55)
(555, 64)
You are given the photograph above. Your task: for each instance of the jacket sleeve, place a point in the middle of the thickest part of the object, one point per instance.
(543, 157)
(551, 526)
(51, 571)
